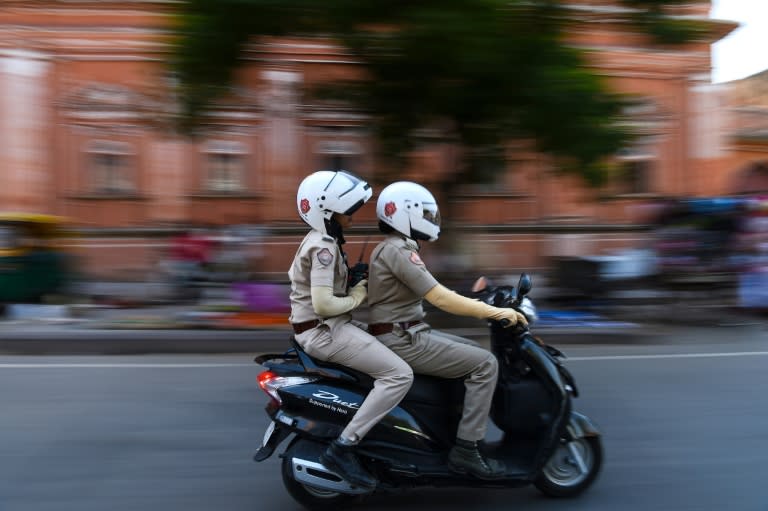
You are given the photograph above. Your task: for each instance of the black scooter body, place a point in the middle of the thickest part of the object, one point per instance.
(409, 446)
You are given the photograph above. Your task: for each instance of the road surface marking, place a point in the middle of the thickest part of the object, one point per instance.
(670, 355)
(127, 365)
(254, 365)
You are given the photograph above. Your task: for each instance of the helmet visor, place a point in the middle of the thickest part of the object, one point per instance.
(357, 193)
(357, 205)
(432, 216)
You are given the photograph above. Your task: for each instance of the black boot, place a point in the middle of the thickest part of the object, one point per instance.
(342, 459)
(466, 457)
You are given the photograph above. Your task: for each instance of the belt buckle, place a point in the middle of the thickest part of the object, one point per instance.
(401, 326)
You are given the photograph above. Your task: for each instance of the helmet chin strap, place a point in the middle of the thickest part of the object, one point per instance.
(334, 229)
(418, 236)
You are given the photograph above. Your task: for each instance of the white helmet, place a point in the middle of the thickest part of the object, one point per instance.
(325, 192)
(409, 209)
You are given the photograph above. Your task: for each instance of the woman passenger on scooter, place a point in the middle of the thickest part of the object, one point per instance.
(399, 282)
(321, 307)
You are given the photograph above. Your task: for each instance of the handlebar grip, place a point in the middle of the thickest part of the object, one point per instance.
(505, 322)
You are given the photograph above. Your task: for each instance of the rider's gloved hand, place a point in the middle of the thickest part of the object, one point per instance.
(327, 305)
(359, 292)
(357, 273)
(511, 315)
(454, 303)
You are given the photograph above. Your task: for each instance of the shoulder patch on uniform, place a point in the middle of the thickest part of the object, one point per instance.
(415, 259)
(325, 257)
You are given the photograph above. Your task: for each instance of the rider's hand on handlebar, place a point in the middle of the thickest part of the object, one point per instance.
(512, 316)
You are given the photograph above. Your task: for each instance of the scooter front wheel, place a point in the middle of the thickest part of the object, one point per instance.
(572, 468)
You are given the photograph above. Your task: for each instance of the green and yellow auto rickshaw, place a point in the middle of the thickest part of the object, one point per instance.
(33, 262)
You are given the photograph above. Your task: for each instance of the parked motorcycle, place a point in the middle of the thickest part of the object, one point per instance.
(544, 442)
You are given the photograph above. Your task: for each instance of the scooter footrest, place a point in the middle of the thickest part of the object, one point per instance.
(406, 470)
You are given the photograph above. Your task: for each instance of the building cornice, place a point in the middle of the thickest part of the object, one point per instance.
(605, 13)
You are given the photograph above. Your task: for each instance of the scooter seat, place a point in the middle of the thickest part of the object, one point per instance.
(425, 388)
(331, 369)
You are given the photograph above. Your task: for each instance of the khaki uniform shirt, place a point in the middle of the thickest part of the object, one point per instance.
(398, 281)
(318, 262)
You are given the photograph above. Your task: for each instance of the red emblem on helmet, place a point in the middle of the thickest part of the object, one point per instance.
(389, 209)
(304, 206)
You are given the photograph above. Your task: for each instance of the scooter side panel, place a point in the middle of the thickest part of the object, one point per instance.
(324, 409)
(544, 366)
(523, 408)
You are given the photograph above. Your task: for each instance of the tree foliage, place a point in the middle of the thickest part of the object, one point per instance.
(485, 71)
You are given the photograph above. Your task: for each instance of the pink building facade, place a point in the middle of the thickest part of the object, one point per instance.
(86, 103)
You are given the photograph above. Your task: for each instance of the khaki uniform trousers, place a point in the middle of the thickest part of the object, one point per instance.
(347, 343)
(437, 353)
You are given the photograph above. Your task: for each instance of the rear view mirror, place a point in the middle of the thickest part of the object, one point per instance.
(480, 284)
(524, 286)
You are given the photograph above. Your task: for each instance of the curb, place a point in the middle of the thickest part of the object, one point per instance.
(138, 342)
(60, 340)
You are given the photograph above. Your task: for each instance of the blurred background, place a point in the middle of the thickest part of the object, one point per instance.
(160, 144)
(150, 154)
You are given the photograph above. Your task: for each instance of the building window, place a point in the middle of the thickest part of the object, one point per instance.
(636, 176)
(225, 167)
(339, 155)
(636, 164)
(339, 162)
(489, 165)
(110, 167)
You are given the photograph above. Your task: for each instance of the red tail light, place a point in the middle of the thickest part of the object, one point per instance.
(264, 377)
(270, 383)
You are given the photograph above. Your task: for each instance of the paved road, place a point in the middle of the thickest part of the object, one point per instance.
(685, 428)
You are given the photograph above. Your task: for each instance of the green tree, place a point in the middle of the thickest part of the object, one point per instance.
(484, 71)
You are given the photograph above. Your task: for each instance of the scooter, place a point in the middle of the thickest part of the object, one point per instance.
(544, 442)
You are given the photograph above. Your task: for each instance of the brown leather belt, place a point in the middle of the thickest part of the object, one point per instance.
(377, 329)
(305, 325)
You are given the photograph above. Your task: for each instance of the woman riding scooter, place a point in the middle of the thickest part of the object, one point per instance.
(321, 306)
(398, 283)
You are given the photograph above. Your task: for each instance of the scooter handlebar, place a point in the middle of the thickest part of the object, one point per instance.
(505, 323)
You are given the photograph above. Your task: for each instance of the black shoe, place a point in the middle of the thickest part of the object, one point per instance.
(465, 457)
(343, 460)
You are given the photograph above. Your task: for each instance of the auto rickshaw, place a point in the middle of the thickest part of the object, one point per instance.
(33, 262)
(695, 241)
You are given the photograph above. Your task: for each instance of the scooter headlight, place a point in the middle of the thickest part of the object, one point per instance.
(529, 309)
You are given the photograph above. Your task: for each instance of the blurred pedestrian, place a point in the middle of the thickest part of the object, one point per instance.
(190, 254)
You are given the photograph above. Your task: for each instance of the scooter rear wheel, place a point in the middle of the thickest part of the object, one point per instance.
(312, 498)
(562, 475)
